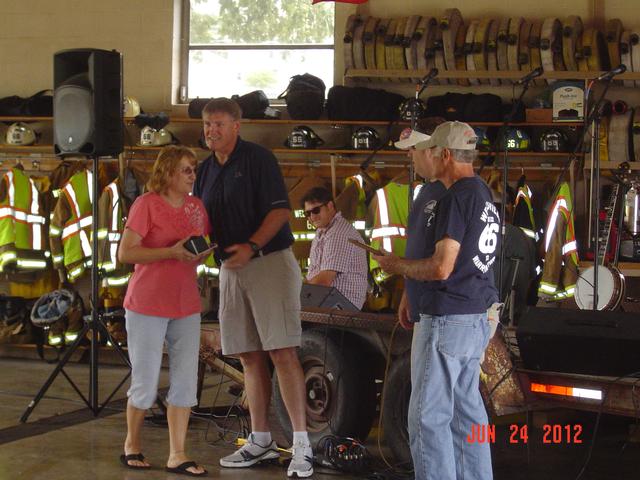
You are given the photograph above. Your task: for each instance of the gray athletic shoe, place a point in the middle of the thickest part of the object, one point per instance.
(250, 454)
(301, 462)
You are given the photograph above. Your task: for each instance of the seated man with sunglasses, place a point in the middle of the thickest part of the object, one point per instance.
(333, 261)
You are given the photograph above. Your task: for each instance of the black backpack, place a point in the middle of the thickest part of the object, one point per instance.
(304, 97)
(466, 107)
(362, 103)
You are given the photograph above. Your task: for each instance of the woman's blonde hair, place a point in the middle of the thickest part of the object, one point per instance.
(166, 165)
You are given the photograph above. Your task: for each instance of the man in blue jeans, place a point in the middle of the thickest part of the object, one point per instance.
(450, 254)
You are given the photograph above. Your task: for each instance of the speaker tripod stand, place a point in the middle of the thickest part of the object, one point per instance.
(93, 322)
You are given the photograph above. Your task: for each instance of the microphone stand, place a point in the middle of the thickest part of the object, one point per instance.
(595, 117)
(420, 87)
(505, 185)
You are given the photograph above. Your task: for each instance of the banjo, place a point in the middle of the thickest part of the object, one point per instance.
(611, 284)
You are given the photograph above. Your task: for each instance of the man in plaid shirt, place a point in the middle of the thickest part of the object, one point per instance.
(333, 261)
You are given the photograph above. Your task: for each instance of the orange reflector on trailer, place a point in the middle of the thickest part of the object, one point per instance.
(566, 391)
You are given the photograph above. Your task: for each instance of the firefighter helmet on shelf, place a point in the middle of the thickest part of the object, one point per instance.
(150, 137)
(410, 107)
(482, 143)
(365, 138)
(21, 134)
(131, 107)
(553, 140)
(303, 137)
(516, 140)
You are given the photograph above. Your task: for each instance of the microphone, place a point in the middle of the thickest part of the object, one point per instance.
(530, 76)
(422, 84)
(433, 73)
(606, 76)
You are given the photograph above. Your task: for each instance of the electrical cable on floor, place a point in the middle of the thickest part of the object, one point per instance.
(393, 469)
(223, 431)
(343, 454)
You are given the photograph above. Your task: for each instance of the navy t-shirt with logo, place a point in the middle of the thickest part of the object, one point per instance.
(467, 215)
(420, 239)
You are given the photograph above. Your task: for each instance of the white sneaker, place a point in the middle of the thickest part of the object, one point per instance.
(301, 462)
(250, 454)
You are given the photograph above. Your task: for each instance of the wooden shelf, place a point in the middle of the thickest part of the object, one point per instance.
(27, 148)
(329, 122)
(614, 165)
(338, 151)
(36, 149)
(628, 269)
(324, 121)
(462, 74)
(26, 119)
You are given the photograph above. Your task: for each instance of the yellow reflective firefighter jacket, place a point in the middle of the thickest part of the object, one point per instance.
(391, 208)
(71, 226)
(560, 270)
(113, 207)
(22, 242)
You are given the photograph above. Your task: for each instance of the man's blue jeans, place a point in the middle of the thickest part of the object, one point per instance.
(445, 400)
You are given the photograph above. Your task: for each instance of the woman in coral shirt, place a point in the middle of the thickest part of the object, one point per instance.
(163, 303)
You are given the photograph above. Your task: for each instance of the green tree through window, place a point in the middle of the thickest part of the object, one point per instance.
(236, 46)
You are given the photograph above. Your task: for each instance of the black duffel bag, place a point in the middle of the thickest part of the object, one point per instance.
(304, 97)
(37, 105)
(196, 106)
(361, 103)
(466, 107)
(253, 105)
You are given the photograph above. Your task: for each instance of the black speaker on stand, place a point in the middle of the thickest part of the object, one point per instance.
(87, 121)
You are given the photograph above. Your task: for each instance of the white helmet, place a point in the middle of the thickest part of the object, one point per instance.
(150, 137)
(20, 134)
(131, 107)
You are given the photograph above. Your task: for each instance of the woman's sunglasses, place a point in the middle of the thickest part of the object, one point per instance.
(315, 210)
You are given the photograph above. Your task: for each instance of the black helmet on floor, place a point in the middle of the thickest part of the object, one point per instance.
(365, 138)
(553, 140)
(303, 137)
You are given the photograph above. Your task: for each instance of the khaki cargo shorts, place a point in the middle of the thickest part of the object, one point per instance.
(260, 304)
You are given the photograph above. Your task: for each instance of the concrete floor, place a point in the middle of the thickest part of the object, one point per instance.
(62, 440)
(78, 446)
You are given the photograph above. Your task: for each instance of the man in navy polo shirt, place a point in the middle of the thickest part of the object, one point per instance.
(461, 233)
(243, 190)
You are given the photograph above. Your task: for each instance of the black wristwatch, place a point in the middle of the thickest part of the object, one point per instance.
(254, 246)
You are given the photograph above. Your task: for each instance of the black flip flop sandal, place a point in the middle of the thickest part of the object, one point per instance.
(125, 459)
(182, 469)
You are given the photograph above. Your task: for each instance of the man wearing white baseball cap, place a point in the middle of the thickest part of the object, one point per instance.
(421, 215)
(457, 288)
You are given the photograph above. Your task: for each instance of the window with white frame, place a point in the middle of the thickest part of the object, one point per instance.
(237, 46)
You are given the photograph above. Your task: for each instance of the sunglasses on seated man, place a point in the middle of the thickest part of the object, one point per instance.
(315, 210)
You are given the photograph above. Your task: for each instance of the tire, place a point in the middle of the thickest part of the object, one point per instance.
(340, 388)
(396, 408)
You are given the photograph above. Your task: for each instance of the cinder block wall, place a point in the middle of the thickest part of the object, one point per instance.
(143, 30)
